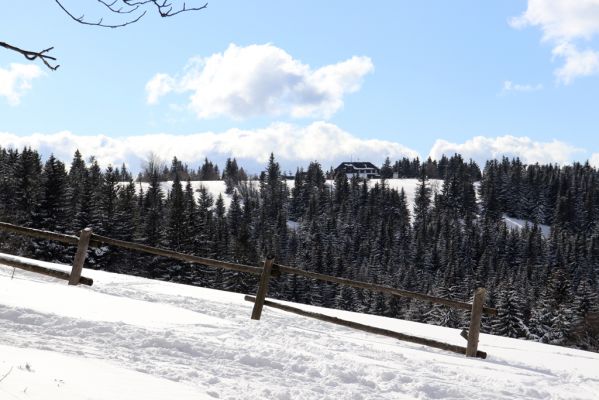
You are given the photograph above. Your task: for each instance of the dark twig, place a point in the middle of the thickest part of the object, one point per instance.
(33, 55)
(82, 20)
(165, 8)
(6, 374)
(119, 10)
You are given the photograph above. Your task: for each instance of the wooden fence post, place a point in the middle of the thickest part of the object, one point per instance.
(474, 331)
(80, 256)
(263, 287)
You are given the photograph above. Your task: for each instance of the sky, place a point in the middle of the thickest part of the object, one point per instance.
(328, 81)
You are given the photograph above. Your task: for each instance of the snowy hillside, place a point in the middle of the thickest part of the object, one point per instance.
(134, 338)
(216, 188)
(515, 223)
(213, 187)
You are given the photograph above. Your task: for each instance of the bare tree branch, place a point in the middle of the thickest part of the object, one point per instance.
(164, 8)
(82, 20)
(120, 10)
(33, 55)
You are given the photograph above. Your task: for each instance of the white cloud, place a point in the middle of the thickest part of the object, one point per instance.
(561, 19)
(594, 160)
(16, 80)
(259, 80)
(509, 86)
(564, 22)
(158, 86)
(292, 145)
(482, 148)
(577, 63)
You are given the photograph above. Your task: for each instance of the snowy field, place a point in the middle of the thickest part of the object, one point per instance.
(515, 223)
(134, 338)
(216, 188)
(213, 187)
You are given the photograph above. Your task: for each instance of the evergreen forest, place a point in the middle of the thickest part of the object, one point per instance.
(455, 239)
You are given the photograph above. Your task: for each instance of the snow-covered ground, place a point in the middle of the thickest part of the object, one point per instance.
(216, 188)
(516, 223)
(213, 187)
(134, 338)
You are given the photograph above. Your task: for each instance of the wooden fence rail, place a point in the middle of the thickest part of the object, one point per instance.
(31, 266)
(39, 234)
(383, 289)
(370, 329)
(98, 240)
(268, 269)
(262, 288)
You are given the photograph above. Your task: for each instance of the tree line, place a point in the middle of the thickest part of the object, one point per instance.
(451, 241)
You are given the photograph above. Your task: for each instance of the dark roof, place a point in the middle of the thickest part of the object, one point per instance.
(352, 165)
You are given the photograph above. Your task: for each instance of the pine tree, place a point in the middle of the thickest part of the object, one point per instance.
(27, 187)
(153, 210)
(509, 321)
(176, 218)
(53, 209)
(77, 194)
(109, 193)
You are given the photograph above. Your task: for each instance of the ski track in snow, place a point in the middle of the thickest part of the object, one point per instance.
(223, 354)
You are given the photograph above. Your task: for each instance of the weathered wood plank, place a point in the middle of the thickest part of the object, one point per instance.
(262, 288)
(100, 240)
(39, 234)
(475, 317)
(32, 267)
(383, 289)
(80, 256)
(370, 329)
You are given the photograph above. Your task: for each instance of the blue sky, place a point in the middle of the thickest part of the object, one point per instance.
(319, 80)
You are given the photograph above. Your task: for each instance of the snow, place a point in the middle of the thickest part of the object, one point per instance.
(515, 223)
(216, 188)
(213, 187)
(410, 186)
(293, 225)
(43, 374)
(132, 338)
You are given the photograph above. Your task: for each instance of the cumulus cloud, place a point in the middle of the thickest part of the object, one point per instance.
(563, 23)
(260, 80)
(16, 81)
(482, 148)
(509, 86)
(577, 63)
(292, 145)
(159, 85)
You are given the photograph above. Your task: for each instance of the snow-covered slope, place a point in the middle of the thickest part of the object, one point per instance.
(216, 188)
(515, 223)
(134, 338)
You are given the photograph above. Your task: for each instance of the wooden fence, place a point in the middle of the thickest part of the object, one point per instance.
(81, 242)
(269, 270)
